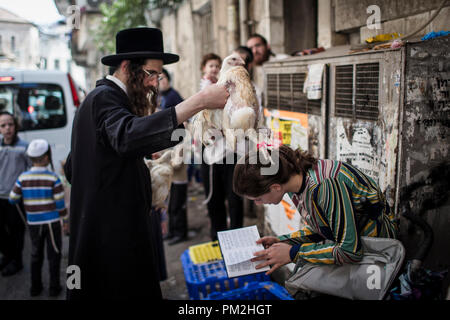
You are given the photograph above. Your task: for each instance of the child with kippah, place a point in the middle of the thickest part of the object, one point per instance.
(43, 198)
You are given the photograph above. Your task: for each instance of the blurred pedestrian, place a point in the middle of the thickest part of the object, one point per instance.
(262, 52)
(178, 224)
(43, 197)
(13, 161)
(169, 96)
(110, 223)
(217, 177)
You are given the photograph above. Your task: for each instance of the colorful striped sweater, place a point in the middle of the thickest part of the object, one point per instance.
(42, 193)
(332, 199)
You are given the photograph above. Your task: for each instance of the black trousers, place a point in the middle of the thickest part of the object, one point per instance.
(12, 231)
(222, 183)
(158, 245)
(40, 238)
(178, 226)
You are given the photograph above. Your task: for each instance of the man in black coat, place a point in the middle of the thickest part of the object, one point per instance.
(110, 231)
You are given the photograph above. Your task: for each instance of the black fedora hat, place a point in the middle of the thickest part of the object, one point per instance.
(136, 43)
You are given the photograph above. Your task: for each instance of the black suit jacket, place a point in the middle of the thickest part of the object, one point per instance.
(110, 233)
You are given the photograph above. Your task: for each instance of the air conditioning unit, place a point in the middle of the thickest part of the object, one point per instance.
(386, 112)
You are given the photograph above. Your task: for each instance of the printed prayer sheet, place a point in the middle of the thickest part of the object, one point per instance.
(238, 246)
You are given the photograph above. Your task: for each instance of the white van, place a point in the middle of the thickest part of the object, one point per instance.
(45, 103)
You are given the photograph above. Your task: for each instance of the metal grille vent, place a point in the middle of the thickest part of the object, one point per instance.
(344, 91)
(300, 103)
(272, 91)
(356, 94)
(366, 95)
(285, 92)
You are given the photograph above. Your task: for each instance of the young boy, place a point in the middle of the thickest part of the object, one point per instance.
(43, 198)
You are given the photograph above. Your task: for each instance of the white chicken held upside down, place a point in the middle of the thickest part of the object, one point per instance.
(241, 110)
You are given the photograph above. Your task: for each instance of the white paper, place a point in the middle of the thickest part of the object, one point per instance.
(238, 246)
(313, 83)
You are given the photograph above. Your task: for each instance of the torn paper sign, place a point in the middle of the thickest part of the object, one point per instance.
(313, 83)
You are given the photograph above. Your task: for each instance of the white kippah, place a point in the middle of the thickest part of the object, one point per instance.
(37, 148)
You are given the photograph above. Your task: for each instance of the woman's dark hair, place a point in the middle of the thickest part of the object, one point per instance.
(247, 177)
(143, 100)
(209, 56)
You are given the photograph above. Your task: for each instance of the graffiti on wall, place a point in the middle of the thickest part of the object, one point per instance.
(429, 192)
(437, 121)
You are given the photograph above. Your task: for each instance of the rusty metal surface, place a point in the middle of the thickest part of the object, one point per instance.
(405, 146)
(425, 165)
(370, 145)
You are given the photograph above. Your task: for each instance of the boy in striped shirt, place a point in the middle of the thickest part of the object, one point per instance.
(43, 199)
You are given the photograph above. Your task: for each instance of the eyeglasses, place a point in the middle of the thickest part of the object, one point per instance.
(152, 73)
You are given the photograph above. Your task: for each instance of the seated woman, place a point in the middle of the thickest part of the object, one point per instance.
(337, 202)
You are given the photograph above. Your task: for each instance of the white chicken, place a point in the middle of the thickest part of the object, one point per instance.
(241, 110)
(161, 172)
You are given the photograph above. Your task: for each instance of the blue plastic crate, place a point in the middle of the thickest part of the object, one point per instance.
(254, 291)
(203, 279)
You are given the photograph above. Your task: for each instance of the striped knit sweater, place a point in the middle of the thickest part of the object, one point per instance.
(331, 197)
(43, 195)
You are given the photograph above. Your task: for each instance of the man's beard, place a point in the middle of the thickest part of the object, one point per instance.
(152, 96)
(143, 99)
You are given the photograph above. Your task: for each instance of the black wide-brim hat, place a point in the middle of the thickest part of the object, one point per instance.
(139, 43)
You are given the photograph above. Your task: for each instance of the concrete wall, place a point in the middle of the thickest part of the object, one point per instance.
(326, 34)
(352, 14)
(424, 172)
(411, 23)
(268, 20)
(178, 30)
(345, 21)
(300, 33)
(26, 52)
(184, 34)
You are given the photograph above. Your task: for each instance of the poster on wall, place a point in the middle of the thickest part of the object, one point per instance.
(289, 128)
(313, 83)
(358, 150)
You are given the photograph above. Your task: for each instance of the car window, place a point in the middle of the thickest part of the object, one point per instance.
(36, 105)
